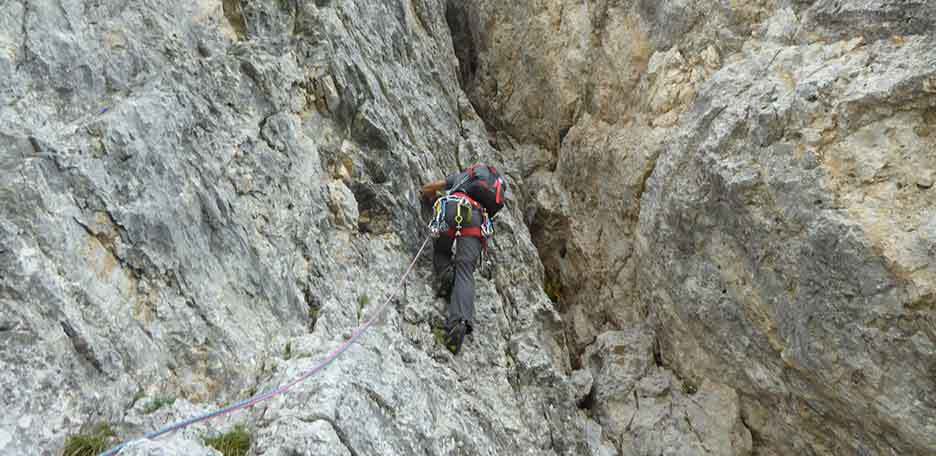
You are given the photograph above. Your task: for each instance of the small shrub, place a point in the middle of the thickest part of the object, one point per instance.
(363, 301)
(234, 443)
(689, 388)
(93, 443)
(553, 289)
(439, 334)
(140, 394)
(287, 352)
(158, 403)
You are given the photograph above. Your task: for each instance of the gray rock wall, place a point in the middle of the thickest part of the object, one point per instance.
(201, 199)
(729, 204)
(750, 179)
(793, 247)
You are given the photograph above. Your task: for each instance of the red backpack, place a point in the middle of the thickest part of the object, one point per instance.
(485, 185)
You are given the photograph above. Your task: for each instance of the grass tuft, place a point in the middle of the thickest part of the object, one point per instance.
(233, 443)
(91, 444)
(439, 333)
(157, 403)
(553, 289)
(362, 301)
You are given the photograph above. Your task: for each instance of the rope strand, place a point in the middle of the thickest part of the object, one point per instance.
(249, 402)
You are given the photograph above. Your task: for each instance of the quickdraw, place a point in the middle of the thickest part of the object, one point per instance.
(438, 225)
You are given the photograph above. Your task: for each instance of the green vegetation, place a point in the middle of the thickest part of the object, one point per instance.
(157, 403)
(362, 301)
(689, 388)
(314, 313)
(234, 443)
(140, 394)
(553, 288)
(439, 334)
(287, 352)
(91, 444)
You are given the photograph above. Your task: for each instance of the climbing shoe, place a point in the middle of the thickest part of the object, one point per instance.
(455, 336)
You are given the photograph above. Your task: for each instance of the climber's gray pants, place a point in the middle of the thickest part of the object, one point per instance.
(461, 271)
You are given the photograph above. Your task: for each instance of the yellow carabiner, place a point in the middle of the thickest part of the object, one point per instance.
(458, 216)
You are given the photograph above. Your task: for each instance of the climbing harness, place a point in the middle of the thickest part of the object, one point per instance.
(438, 224)
(464, 213)
(286, 387)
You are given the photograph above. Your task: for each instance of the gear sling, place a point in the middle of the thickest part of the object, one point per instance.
(480, 188)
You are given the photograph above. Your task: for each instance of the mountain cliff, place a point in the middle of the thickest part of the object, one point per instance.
(721, 236)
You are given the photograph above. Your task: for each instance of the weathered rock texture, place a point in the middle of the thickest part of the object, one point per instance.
(792, 238)
(730, 204)
(200, 199)
(752, 179)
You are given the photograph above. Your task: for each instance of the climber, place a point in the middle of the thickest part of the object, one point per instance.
(462, 224)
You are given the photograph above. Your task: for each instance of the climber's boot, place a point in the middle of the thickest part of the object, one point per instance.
(455, 336)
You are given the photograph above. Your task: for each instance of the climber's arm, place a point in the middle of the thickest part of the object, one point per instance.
(430, 190)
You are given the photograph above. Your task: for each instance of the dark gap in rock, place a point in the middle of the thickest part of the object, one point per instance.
(657, 352)
(466, 51)
(314, 304)
(368, 133)
(8, 325)
(374, 209)
(375, 169)
(563, 132)
(587, 403)
(81, 345)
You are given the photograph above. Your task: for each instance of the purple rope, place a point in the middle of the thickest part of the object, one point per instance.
(249, 402)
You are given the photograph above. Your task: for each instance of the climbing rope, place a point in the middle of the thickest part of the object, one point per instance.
(286, 387)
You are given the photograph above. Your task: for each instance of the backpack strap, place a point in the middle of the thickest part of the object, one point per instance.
(470, 200)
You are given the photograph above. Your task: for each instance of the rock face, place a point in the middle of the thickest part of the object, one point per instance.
(644, 409)
(751, 179)
(721, 238)
(200, 199)
(815, 297)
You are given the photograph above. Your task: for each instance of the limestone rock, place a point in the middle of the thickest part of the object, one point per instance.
(783, 249)
(720, 236)
(646, 411)
(199, 199)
